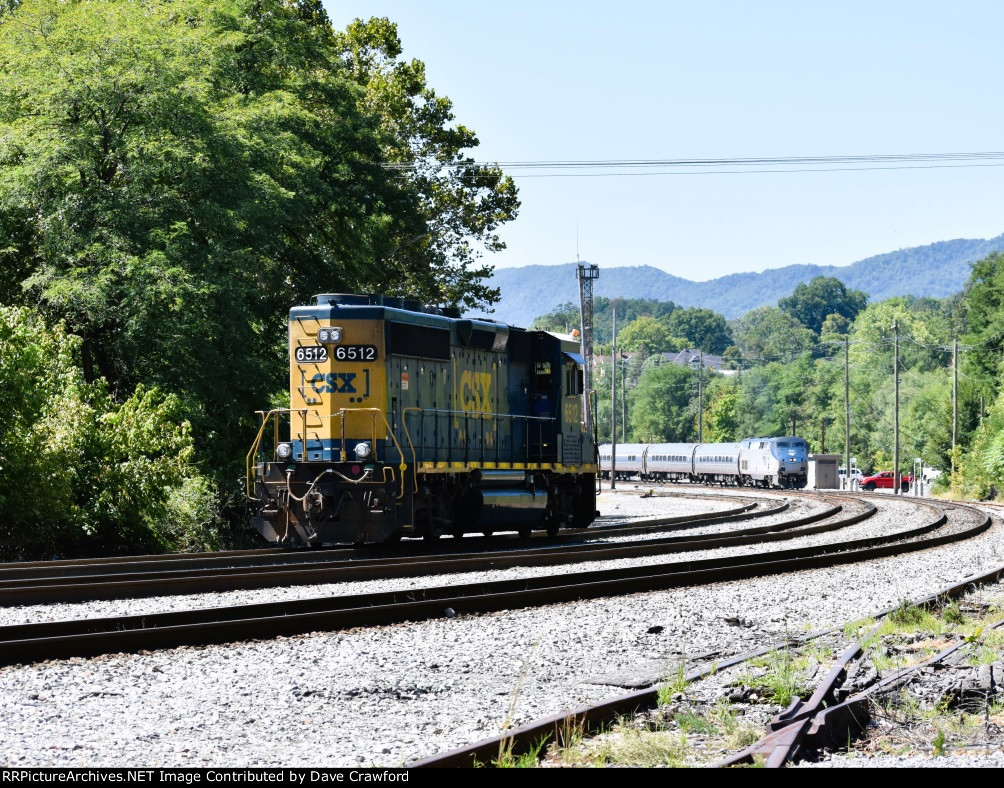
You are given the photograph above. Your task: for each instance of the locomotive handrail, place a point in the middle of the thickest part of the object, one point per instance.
(484, 415)
(256, 444)
(400, 452)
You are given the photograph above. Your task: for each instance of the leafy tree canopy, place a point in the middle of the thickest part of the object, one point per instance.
(459, 204)
(566, 317)
(660, 404)
(983, 312)
(174, 175)
(645, 335)
(769, 334)
(721, 418)
(702, 328)
(811, 304)
(80, 473)
(924, 330)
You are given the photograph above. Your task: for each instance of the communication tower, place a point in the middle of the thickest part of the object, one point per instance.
(586, 274)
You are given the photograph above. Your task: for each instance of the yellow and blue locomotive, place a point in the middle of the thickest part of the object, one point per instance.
(411, 421)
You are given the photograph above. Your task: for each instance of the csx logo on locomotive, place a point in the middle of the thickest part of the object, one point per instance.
(334, 383)
(475, 388)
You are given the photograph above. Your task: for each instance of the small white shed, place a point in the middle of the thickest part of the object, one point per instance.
(823, 473)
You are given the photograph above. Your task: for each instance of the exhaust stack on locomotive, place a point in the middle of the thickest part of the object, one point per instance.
(411, 421)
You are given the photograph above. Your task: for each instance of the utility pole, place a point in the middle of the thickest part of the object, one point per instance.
(895, 377)
(847, 410)
(624, 404)
(700, 395)
(955, 400)
(613, 408)
(700, 400)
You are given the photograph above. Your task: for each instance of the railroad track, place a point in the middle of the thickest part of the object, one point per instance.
(809, 725)
(90, 637)
(71, 581)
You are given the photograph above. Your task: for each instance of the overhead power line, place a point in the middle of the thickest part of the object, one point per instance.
(692, 166)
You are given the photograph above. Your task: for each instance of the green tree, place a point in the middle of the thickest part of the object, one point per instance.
(173, 176)
(702, 328)
(80, 473)
(459, 203)
(645, 335)
(768, 334)
(924, 327)
(566, 317)
(811, 304)
(981, 469)
(982, 315)
(660, 404)
(721, 419)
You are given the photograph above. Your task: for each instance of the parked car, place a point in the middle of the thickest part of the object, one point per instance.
(885, 479)
(856, 475)
(930, 474)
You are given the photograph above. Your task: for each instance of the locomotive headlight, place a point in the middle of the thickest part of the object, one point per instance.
(329, 335)
(284, 451)
(363, 450)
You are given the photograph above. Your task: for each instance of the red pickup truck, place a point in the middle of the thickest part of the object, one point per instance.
(885, 479)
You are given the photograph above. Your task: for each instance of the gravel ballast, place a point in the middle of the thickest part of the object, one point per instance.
(387, 696)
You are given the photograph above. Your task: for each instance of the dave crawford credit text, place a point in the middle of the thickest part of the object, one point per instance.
(186, 777)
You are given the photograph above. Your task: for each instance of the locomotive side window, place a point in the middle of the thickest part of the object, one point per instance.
(573, 379)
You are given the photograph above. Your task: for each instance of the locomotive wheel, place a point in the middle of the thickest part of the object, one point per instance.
(429, 534)
(525, 533)
(552, 529)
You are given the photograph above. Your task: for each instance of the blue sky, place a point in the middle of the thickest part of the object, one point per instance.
(590, 81)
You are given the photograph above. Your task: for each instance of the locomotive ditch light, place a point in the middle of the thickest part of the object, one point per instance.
(329, 335)
(363, 450)
(284, 451)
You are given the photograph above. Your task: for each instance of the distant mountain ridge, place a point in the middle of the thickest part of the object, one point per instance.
(937, 270)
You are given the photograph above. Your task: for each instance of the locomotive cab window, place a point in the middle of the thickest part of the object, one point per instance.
(542, 372)
(574, 364)
(573, 380)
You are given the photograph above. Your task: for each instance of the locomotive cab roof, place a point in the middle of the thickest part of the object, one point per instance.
(377, 299)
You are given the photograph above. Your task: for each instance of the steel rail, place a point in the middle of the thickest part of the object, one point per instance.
(90, 637)
(164, 583)
(784, 739)
(822, 722)
(124, 565)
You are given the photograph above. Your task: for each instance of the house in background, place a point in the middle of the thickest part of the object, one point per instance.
(692, 357)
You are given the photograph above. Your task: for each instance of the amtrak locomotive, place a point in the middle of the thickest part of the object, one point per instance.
(761, 462)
